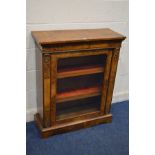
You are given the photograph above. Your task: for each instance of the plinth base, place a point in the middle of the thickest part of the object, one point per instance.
(70, 126)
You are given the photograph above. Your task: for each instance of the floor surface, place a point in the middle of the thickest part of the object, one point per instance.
(104, 139)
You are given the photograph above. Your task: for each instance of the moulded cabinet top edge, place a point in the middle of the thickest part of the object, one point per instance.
(72, 36)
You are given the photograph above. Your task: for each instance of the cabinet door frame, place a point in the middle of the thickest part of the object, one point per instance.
(82, 53)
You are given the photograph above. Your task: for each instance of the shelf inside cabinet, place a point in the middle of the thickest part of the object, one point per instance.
(80, 111)
(78, 94)
(78, 108)
(77, 71)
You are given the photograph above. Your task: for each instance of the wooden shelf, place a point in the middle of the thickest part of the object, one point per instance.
(78, 94)
(77, 111)
(77, 71)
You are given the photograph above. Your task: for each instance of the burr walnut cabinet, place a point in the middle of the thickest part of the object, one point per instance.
(76, 71)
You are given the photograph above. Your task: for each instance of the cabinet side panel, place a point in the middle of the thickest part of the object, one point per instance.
(39, 82)
(114, 63)
(105, 81)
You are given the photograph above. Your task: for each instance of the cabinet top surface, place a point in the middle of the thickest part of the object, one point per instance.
(81, 35)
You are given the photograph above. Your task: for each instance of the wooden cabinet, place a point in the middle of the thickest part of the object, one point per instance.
(75, 78)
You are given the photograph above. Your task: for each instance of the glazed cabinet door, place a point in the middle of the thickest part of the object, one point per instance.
(79, 82)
